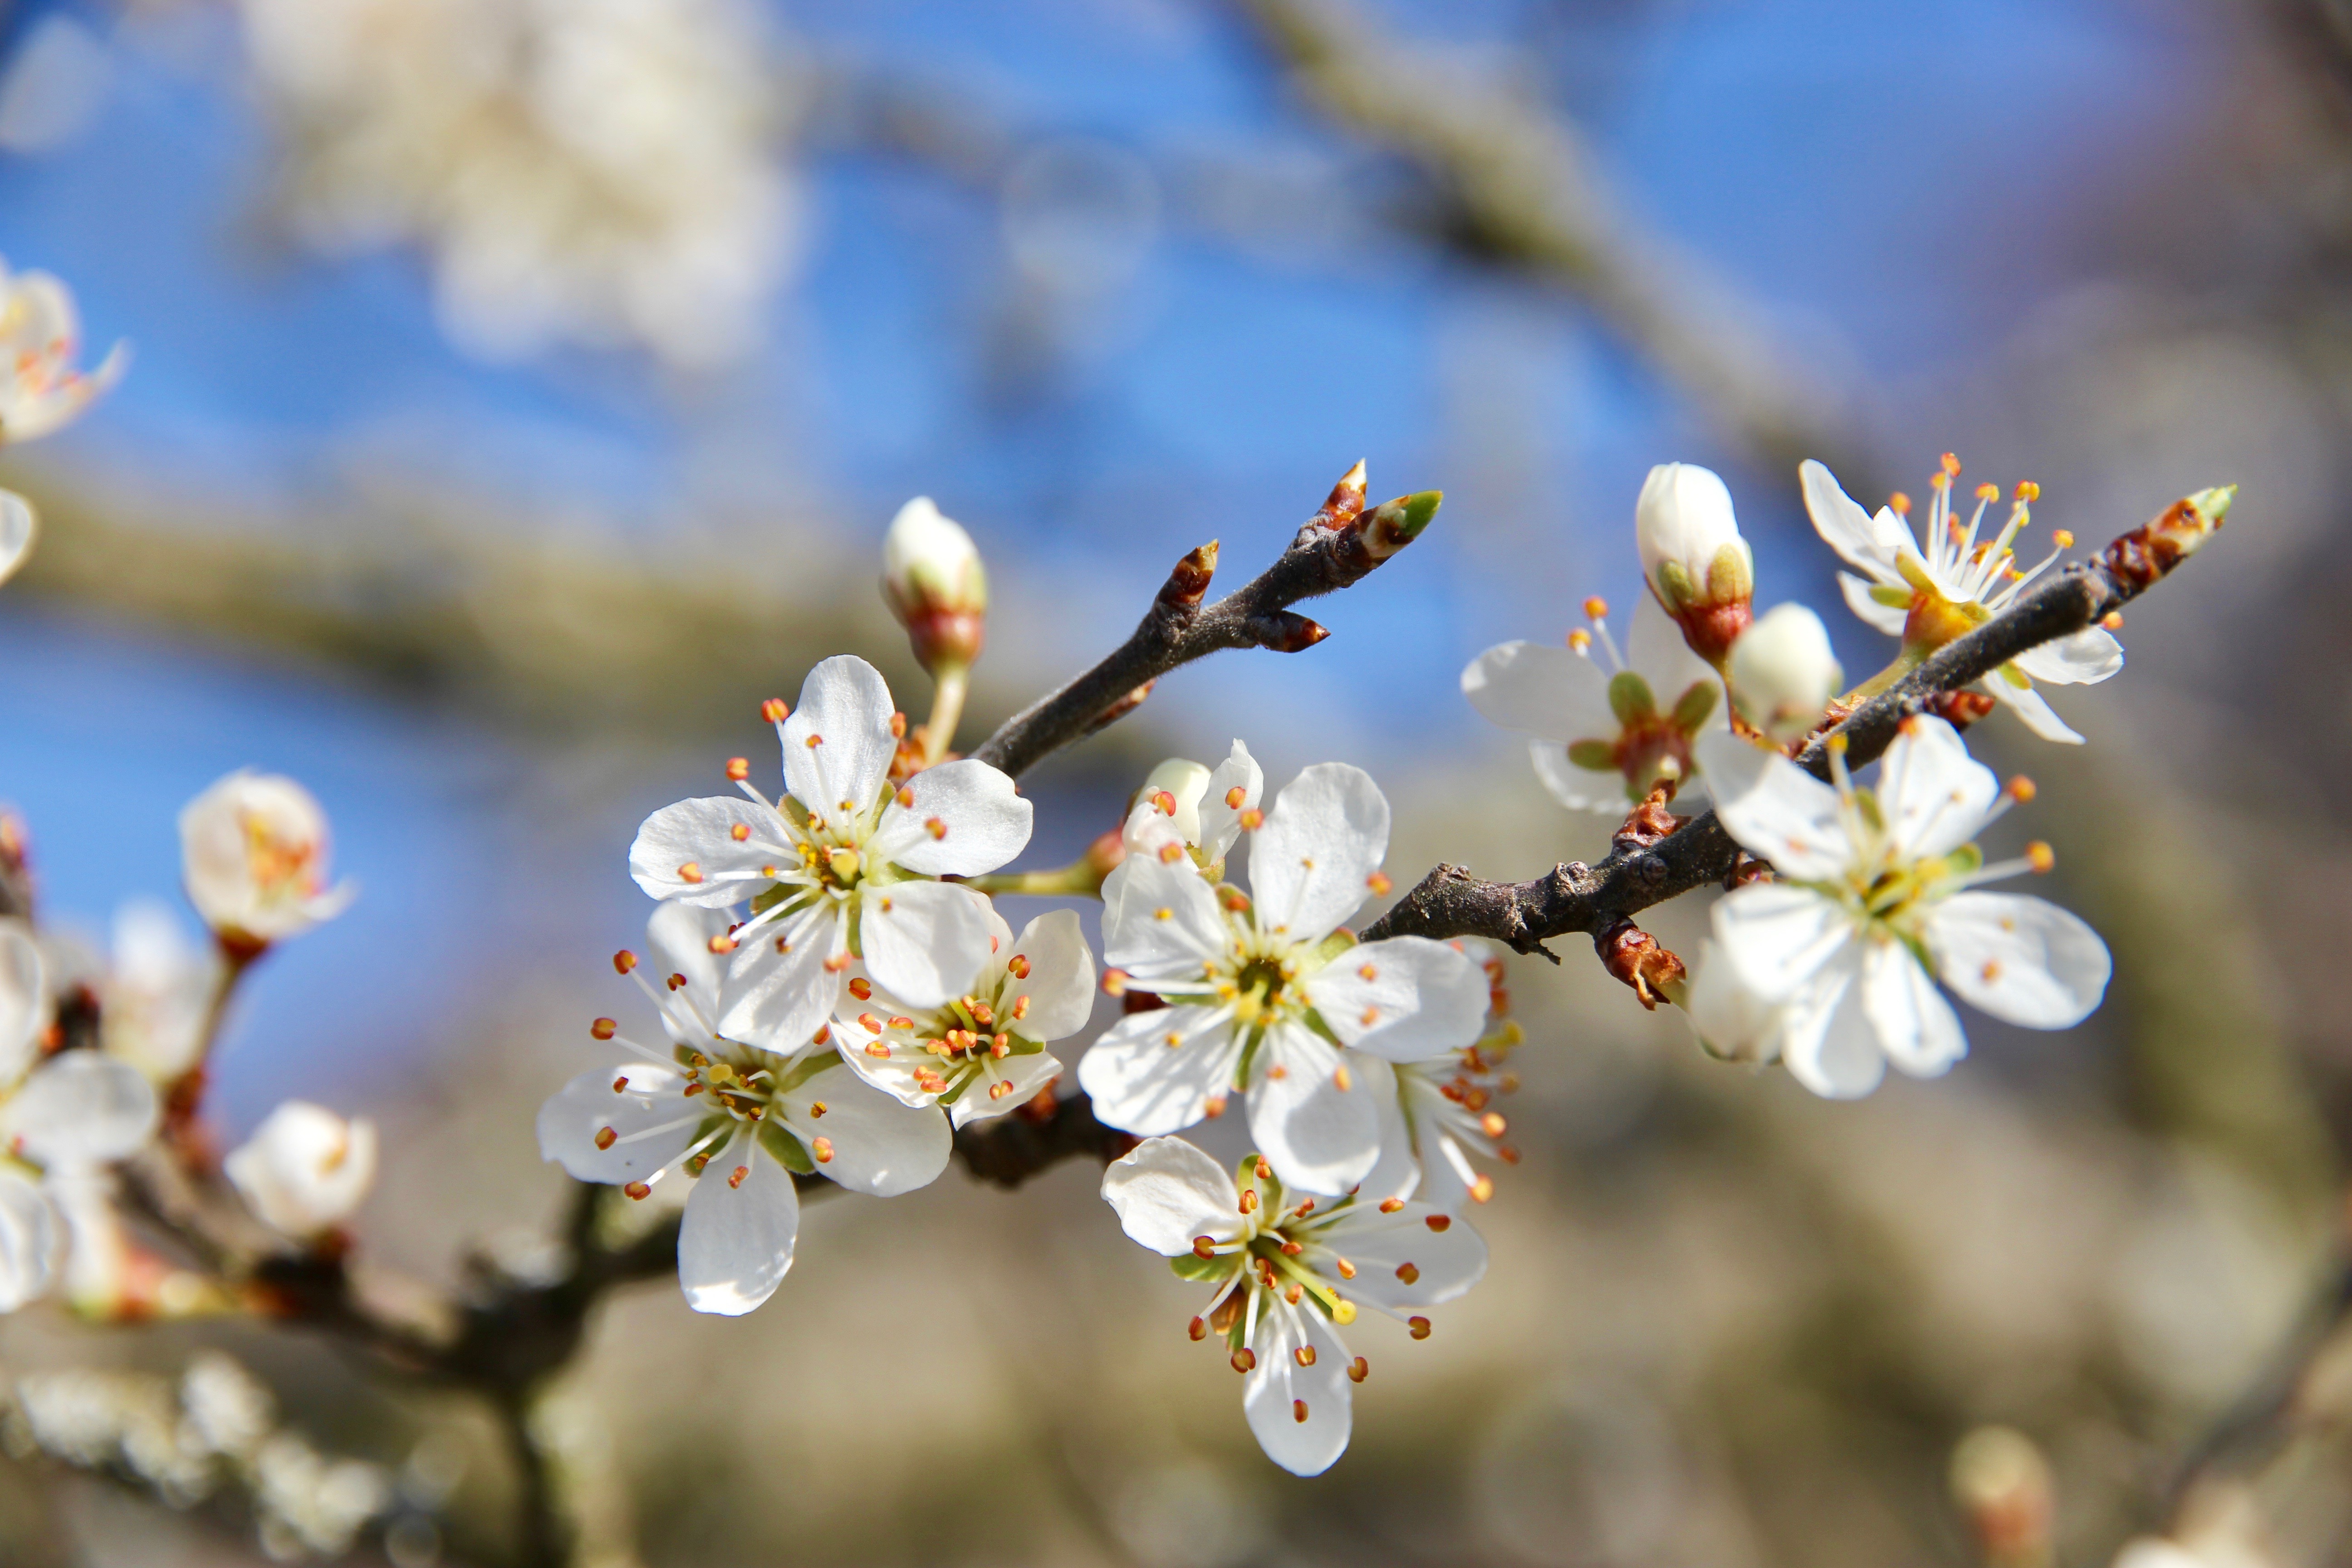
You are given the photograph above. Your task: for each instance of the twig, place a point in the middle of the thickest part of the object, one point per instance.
(1590, 899)
(1338, 546)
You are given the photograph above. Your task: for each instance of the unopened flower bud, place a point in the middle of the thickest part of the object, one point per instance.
(2003, 1483)
(1692, 557)
(1783, 674)
(932, 575)
(305, 1169)
(254, 855)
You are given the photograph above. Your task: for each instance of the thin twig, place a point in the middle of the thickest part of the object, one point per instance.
(1337, 547)
(1589, 900)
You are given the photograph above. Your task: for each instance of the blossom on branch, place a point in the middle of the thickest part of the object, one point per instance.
(843, 868)
(1197, 810)
(1437, 1111)
(1839, 960)
(1782, 673)
(254, 856)
(43, 390)
(1285, 1273)
(1698, 567)
(936, 585)
(742, 1121)
(1264, 990)
(304, 1169)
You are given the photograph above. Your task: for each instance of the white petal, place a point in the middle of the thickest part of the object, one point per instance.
(1654, 650)
(1309, 865)
(31, 1240)
(2020, 958)
(2087, 657)
(1888, 618)
(1142, 1083)
(1315, 1133)
(1167, 1191)
(24, 998)
(1913, 1023)
(1828, 1044)
(1397, 1173)
(16, 530)
(679, 935)
(1936, 796)
(1271, 1394)
(845, 711)
(1025, 1077)
(1542, 690)
(1868, 543)
(899, 1072)
(1777, 936)
(981, 821)
(652, 1123)
(1774, 808)
(82, 1108)
(1442, 1263)
(736, 1239)
(1061, 982)
(1407, 998)
(689, 851)
(1731, 1020)
(926, 942)
(877, 1145)
(2031, 707)
(1165, 921)
(1221, 820)
(1578, 789)
(779, 990)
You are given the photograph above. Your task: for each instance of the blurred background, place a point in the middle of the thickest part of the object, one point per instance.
(521, 389)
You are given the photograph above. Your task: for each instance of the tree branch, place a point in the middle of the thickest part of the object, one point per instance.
(1590, 899)
(1337, 547)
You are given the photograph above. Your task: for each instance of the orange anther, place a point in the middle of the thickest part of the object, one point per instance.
(637, 1190)
(690, 872)
(624, 961)
(604, 1029)
(936, 826)
(606, 1137)
(1596, 608)
(1379, 883)
(739, 769)
(1019, 967)
(775, 711)
(1252, 819)
(1235, 797)
(862, 988)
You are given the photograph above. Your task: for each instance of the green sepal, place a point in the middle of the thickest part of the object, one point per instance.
(1893, 597)
(1593, 756)
(786, 1148)
(1695, 706)
(1203, 1270)
(795, 813)
(2015, 677)
(1629, 699)
(1673, 586)
(1728, 577)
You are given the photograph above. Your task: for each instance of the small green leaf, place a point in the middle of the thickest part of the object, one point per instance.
(1629, 699)
(1594, 756)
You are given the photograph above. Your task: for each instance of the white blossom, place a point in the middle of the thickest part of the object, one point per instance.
(305, 1169)
(739, 1120)
(1283, 1273)
(1438, 1111)
(1604, 738)
(1186, 808)
(1693, 556)
(255, 856)
(1264, 990)
(1783, 675)
(43, 390)
(155, 992)
(934, 579)
(843, 867)
(984, 1053)
(1876, 903)
(1931, 590)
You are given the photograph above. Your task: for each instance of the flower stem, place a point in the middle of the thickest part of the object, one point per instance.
(947, 711)
(1080, 879)
(1905, 663)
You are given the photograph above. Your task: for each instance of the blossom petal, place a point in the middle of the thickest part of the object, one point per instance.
(689, 851)
(1165, 1192)
(1402, 1262)
(1542, 690)
(1913, 1024)
(781, 988)
(1316, 1132)
(1777, 936)
(652, 1123)
(31, 1239)
(1774, 808)
(24, 994)
(1732, 1021)
(1278, 1385)
(2022, 959)
(1163, 921)
(1578, 789)
(679, 935)
(1060, 986)
(1889, 619)
(1407, 998)
(2031, 707)
(735, 1240)
(1829, 1044)
(837, 743)
(872, 1143)
(1160, 1072)
(1869, 544)
(925, 941)
(981, 821)
(1656, 650)
(2087, 657)
(1221, 821)
(16, 530)
(1310, 864)
(82, 1108)
(1025, 1077)
(1397, 1173)
(1935, 795)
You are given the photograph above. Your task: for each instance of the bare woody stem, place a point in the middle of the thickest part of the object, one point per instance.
(1337, 547)
(1576, 899)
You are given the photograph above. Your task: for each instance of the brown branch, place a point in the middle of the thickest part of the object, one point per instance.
(1337, 547)
(1591, 899)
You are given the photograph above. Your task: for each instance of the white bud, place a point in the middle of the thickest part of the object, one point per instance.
(931, 574)
(1692, 554)
(1783, 674)
(254, 855)
(1186, 781)
(305, 1169)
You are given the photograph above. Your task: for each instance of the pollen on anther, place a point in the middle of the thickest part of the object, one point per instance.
(1245, 1359)
(1347, 1270)
(823, 1033)
(624, 961)
(1163, 802)
(936, 826)
(1408, 1273)
(1174, 1040)
(1114, 981)
(1359, 1370)
(822, 1148)
(1391, 1205)
(1988, 492)
(1492, 1124)
(1262, 1171)
(1163, 913)
(1899, 503)
(1342, 1080)
(878, 1049)
(862, 988)
(2028, 491)
(735, 1177)
(2020, 790)
(1235, 797)
(722, 944)
(637, 1191)
(1482, 1189)
(621, 1084)
(690, 872)
(2041, 857)
(2113, 620)
(1252, 819)
(739, 769)
(1419, 1327)
(1197, 1329)
(606, 1137)
(604, 1029)
(905, 797)
(775, 711)
(1369, 972)
(1580, 641)
(1305, 1356)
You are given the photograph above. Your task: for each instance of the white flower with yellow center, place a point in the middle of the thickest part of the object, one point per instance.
(1439, 1111)
(738, 1119)
(843, 868)
(1284, 1271)
(1263, 990)
(305, 1169)
(254, 855)
(1877, 903)
(984, 1053)
(1931, 590)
